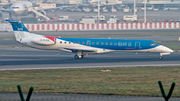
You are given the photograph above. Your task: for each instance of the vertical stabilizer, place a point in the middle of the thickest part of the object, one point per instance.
(20, 30)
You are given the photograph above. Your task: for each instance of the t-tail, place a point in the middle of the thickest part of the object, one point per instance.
(20, 30)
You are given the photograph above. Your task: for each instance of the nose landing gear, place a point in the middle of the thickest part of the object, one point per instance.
(161, 54)
(160, 58)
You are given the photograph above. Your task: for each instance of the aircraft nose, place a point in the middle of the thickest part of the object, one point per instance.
(166, 49)
(17, 12)
(14, 11)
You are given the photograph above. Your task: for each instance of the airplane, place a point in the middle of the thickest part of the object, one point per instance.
(83, 46)
(24, 8)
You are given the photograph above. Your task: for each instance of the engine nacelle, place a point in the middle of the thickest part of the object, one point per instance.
(44, 40)
(1, 15)
(42, 12)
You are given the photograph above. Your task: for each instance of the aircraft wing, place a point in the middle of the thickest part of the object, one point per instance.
(5, 10)
(81, 50)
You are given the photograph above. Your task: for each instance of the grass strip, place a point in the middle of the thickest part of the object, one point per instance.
(126, 81)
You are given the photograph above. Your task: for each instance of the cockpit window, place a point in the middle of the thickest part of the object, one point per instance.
(154, 43)
(15, 7)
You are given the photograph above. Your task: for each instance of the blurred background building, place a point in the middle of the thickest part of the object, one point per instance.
(101, 1)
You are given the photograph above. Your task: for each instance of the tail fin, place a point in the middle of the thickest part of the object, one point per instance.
(17, 25)
(20, 30)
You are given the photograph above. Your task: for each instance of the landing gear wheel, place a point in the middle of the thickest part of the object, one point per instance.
(82, 56)
(76, 57)
(160, 58)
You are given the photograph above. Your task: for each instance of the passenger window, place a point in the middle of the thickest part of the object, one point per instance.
(102, 43)
(83, 42)
(78, 42)
(111, 43)
(120, 44)
(106, 43)
(97, 43)
(74, 42)
(64, 42)
(115, 43)
(92, 43)
(124, 44)
(69, 42)
(129, 44)
(60, 41)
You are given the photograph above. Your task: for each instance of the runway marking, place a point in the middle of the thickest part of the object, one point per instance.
(92, 67)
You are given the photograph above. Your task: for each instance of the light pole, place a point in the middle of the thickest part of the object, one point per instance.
(134, 7)
(98, 11)
(145, 11)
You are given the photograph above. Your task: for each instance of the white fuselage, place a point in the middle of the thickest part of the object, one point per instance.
(62, 46)
(20, 8)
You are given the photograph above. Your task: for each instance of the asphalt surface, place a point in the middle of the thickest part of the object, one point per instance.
(28, 58)
(75, 97)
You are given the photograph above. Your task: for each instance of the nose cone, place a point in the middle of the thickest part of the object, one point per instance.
(166, 49)
(17, 12)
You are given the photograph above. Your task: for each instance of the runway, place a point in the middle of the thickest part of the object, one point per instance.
(28, 58)
(79, 97)
(15, 56)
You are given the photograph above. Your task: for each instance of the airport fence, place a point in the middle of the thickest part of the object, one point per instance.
(100, 26)
(166, 97)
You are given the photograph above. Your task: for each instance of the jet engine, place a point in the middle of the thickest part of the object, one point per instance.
(42, 12)
(44, 40)
(1, 15)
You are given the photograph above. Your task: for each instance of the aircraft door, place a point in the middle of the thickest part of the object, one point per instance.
(137, 45)
(88, 43)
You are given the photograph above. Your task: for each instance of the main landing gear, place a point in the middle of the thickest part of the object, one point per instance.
(78, 57)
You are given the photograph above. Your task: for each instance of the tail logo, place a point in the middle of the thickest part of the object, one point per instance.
(20, 29)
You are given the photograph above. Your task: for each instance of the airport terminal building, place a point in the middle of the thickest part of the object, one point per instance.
(160, 4)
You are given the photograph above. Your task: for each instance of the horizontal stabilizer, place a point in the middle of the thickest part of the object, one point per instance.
(12, 21)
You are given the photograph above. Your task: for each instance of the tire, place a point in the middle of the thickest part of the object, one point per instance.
(82, 56)
(160, 58)
(76, 57)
